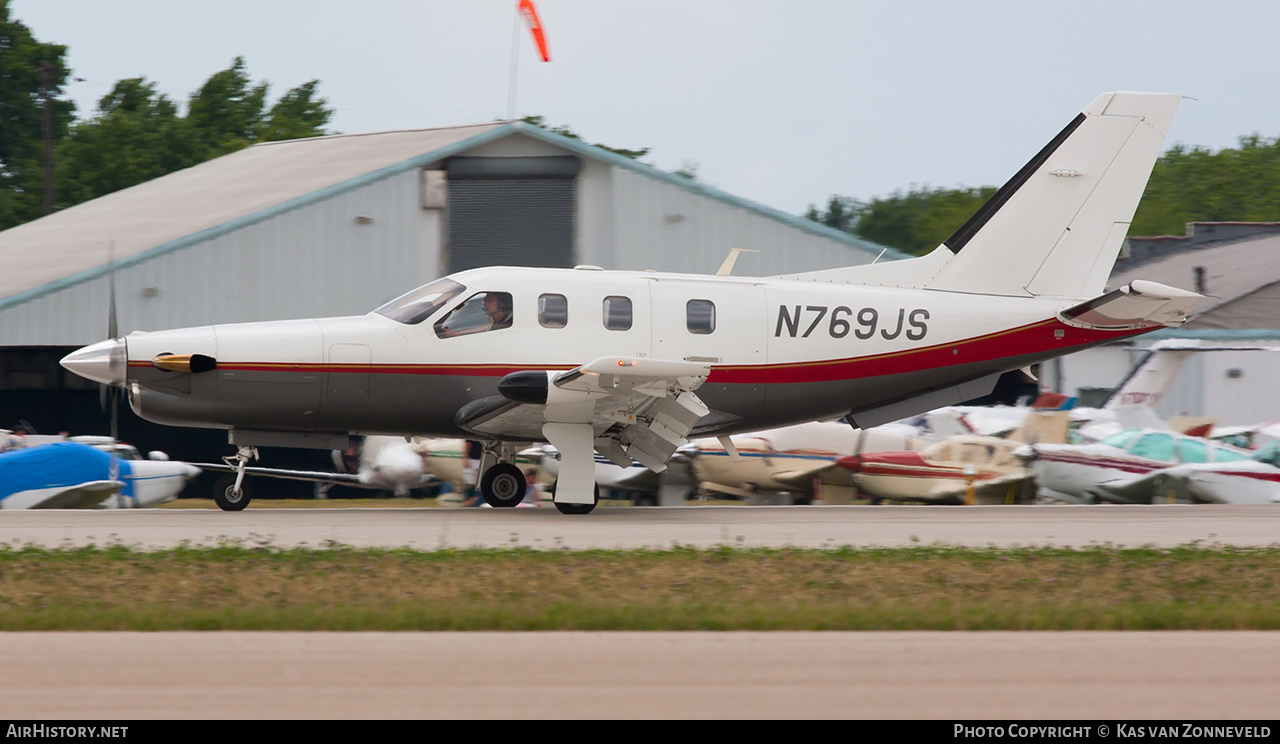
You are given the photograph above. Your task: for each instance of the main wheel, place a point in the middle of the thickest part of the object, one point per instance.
(575, 508)
(228, 498)
(503, 485)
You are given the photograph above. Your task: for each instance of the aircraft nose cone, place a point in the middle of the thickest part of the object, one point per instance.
(105, 362)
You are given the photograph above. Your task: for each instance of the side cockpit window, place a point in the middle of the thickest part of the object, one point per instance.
(418, 305)
(617, 313)
(553, 311)
(483, 311)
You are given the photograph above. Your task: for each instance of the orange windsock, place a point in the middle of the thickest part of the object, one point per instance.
(530, 15)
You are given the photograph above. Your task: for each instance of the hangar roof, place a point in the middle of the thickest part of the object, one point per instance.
(1232, 270)
(254, 184)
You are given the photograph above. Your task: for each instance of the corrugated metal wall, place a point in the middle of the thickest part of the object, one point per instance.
(647, 223)
(343, 256)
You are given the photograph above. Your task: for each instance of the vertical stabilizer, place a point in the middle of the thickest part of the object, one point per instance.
(1057, 226)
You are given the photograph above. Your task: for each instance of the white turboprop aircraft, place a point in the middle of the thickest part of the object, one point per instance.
(632, 364)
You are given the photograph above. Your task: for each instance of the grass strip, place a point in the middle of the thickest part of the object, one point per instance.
(234, 587)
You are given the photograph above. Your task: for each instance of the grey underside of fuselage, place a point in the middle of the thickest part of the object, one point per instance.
(427, 405)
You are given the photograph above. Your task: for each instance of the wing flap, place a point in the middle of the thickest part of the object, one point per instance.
(638, 408)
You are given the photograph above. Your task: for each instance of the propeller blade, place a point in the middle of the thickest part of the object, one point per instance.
(113, 328)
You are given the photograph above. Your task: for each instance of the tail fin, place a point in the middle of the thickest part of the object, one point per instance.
(1057, 226)
(1150, 379)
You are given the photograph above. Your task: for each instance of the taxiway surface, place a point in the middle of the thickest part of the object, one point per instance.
(655, 527)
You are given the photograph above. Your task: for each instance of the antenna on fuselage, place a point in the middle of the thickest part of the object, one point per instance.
(726, 268)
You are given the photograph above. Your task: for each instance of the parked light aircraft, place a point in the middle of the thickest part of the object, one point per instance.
(787, 460)
(945, 472)
(1120, 468)
(74, 475)
(632, 364)
(1252, 481)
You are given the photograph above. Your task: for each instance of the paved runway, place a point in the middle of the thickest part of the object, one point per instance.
(1118, 677)
(779, 526)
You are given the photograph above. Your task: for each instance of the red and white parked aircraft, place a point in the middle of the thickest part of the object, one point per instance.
(1252, 481)
(1121, 468)
(633, 364)
(956, 470)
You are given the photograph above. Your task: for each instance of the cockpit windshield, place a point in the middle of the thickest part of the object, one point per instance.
(418, 305)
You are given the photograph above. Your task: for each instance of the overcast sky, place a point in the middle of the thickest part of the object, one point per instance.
(783, 103)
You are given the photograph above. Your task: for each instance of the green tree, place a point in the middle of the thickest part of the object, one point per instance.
(21, 117)
(842, 213)
(1200, 185)
(137, 133)
(298, 114)
(227, 111)
(915, 222)
(136, 136)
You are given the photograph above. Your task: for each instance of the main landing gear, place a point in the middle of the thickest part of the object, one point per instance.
(502, 484)
(564, 508)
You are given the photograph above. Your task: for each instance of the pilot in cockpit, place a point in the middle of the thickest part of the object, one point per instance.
(489, 311)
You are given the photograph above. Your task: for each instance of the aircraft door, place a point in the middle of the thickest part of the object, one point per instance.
(719, 323)
(348, 378)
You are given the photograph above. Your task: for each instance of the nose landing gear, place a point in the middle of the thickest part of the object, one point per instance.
(232, 492)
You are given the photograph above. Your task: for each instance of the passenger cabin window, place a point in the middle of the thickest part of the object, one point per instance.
(1268, 453)
(700, 316)
(1190, 450)
(617, 313)
(1223, 454)
(1123, 438)
(1154, 447)
(484, 311)
(553, 311)
(416, 306)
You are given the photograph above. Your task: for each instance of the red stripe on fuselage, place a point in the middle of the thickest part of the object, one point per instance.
(1035, 338)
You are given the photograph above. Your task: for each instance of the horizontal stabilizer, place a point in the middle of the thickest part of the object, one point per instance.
(1139, 304)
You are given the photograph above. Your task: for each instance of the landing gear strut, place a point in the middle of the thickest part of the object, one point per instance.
(232, 493)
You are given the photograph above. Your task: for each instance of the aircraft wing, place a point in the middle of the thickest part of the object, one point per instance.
(1129, 490)
(829, 473)
(313, 476)
(993, 490)
(81, 496)
(637, 408)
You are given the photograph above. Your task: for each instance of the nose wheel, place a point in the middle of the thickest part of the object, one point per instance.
(503, 485)
(232, 491)
(229, 496)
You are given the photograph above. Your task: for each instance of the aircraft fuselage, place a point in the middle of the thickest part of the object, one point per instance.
(780, 351)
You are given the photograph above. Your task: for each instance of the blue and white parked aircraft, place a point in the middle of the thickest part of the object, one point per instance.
(632, 364)
(72, 475)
